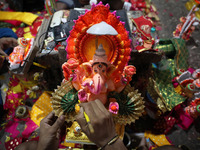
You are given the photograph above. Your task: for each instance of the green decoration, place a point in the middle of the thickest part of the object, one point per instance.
(125, 105)
(131, 105)
(163, 87)
(160, 87)
(69, 100)
(175, 49)
(182, 54)
(167, 46)
(64, 100)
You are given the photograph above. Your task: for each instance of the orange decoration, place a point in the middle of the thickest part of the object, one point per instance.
(81, 45)
(113, 107)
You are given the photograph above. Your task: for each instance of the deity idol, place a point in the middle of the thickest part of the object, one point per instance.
(20, 53)
(98, 52)
(93, 79)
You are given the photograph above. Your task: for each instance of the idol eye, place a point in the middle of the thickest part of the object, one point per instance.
(103, 70)
(100, 66)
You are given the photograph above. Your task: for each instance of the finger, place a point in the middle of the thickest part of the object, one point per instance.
(14, 42)
(58, 133)
(97, 109)
(58, 124)
(10, 42)
(88, 108)
(48, 119)
(100, 105)
(80, 118)
(49, 116)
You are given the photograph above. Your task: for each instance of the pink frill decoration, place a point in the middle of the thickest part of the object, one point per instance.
(183, 120)
(30, 127)
(11, 128)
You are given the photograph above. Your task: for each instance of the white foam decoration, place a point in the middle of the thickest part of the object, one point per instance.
(92, 2)
(102, 28)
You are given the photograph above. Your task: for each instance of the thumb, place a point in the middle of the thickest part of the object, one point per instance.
(58, 124)
(80, 114)
(14, 42)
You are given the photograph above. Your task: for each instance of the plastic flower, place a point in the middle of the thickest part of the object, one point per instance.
(130, 70)
(73, 77)
(82, 95)
(93, 2)
(72, 64)
(114, 107)
(124, 80)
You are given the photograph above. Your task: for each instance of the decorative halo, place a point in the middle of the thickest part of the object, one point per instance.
(88, 47)
(64, 100)
(81, 48)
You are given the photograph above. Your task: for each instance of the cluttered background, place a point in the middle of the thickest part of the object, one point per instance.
(168, 74)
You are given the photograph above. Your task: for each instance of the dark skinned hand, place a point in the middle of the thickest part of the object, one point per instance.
(50, 130)
(7, 42)
(101, 120)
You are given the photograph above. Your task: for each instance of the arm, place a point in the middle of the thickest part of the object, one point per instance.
(102, 122)
(50, 130)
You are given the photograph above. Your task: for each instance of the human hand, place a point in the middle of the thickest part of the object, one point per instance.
(101, 120)
(7, 42)
(50, 130)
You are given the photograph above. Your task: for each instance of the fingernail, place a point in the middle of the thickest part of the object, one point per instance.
(62, 117)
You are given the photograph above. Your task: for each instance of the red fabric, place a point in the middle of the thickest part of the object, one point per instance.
(20, 32)
(142, 47)
(165, 124)
(11, 128)
(13, 22)
(36, 24)
(137, 4)
(30, 127)
(178, 116)
(12, 144)
(183, 119)
(139, 22)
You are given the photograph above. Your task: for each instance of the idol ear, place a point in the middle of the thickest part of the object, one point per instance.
(65, 71)
(87, 67)
(110, 69)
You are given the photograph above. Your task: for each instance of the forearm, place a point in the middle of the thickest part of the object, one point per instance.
(118, 145)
